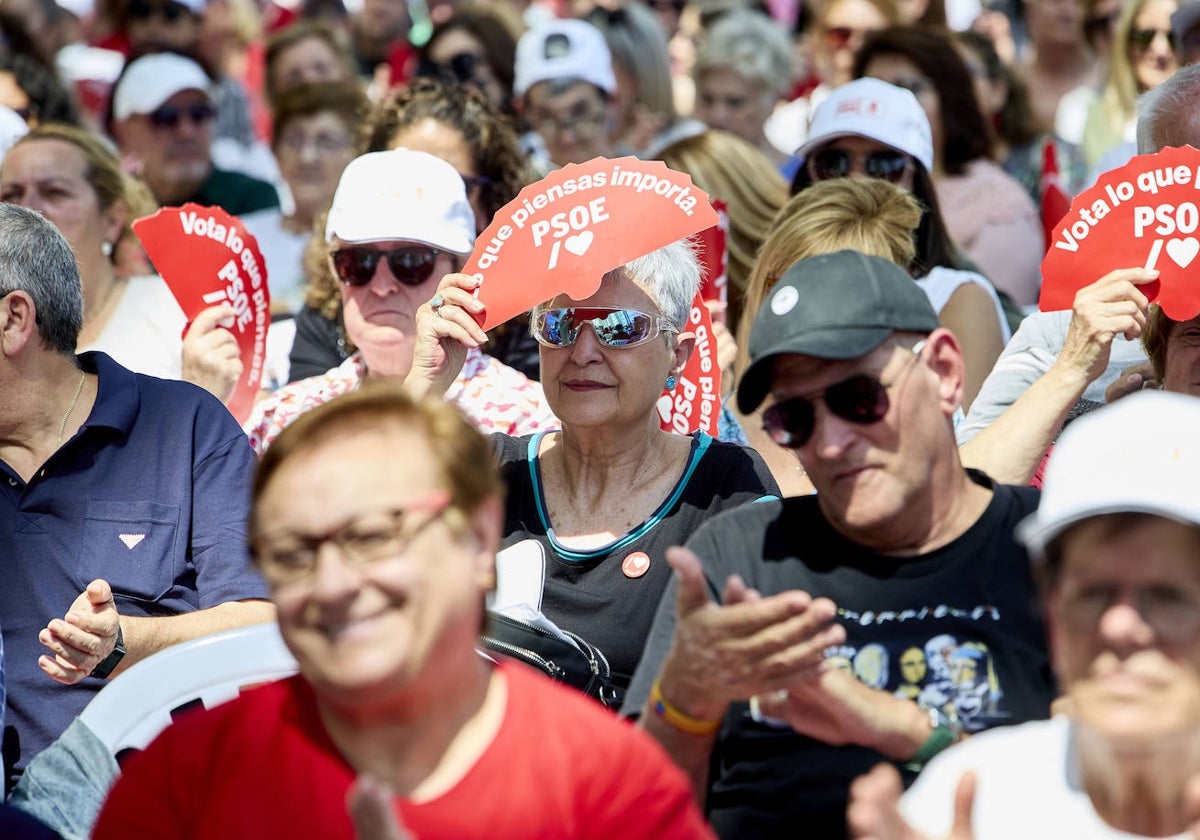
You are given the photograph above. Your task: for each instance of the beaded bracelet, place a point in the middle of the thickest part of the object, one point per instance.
(676, 719)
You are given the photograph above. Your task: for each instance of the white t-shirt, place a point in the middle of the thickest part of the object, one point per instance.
(145, 332)
(1027, 787)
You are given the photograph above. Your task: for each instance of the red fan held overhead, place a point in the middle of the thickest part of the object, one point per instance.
(207, 257)
(561, 234)
(1145, 213)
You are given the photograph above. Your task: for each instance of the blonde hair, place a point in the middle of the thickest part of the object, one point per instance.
(728, 168)
(869, 215)
(1105, 124)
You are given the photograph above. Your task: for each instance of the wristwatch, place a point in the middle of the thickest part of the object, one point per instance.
(108, 663)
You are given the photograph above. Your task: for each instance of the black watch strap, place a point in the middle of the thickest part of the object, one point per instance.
(108, 663)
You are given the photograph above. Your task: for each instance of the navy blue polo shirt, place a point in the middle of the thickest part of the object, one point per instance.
(152, 495)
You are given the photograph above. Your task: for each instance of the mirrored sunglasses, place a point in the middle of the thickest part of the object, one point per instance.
(827, 164)
(411, 265)
(613, 327)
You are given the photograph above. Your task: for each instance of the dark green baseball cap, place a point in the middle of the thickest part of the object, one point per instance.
(833, 306)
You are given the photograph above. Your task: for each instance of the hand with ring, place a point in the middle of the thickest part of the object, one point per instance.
(447, 328)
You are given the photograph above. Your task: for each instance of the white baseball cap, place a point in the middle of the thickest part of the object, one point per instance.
(878, 111)
(153, 79)
(402, 194)
(563, 49)
(1139, 455)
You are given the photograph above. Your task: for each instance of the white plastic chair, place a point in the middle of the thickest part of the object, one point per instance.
(131, 710)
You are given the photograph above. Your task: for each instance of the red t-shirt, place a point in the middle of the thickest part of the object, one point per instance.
(262, 765)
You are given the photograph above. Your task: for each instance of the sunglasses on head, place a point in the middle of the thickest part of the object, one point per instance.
(168, 116)
(411, 265)
(827, 164)
(859, 399)
(613, 327)
(1141, 39)
(169, 12)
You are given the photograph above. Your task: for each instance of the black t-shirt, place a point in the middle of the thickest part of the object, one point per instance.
(956, 629)
(587, 592)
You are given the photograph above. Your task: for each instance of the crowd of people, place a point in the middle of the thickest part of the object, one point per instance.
(935, 573)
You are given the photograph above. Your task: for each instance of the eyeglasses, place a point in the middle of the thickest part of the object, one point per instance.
(1173, 611)
(826, 164)
(383, 535)
(168, 116)
(298, 142)
(169, 12)
(859, 399)
(411, 265)
(613, 327)
(1141, 39)
(582, 121)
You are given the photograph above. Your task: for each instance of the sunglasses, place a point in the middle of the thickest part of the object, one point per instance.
(827, 164)
(461, 68)
(169, 12)
(411, 265)
(613, 327)
(168, 117)
(860, 399)
(1141, 39)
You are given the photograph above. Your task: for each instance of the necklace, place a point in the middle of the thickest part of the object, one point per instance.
(62, 427)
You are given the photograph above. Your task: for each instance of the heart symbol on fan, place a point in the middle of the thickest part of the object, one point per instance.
(1183, 251)
(580, 242)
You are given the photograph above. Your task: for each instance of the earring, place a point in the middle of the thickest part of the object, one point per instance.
(106, 249)
(671, 382)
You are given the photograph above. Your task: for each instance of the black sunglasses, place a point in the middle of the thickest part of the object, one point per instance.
(461, 68)
(826, 164)
(168, 116)
(1141, 39)
(411, 265)
(170, 12)
(860, 399)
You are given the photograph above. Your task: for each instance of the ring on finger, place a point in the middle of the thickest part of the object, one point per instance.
(436, 305)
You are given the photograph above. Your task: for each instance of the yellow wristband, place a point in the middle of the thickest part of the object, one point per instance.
(676, 719)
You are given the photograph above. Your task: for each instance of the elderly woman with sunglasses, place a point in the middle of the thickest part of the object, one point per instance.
(869, 128)
(611, 491)
(399, 222)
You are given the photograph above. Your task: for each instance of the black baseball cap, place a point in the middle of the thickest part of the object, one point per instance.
(833, 306)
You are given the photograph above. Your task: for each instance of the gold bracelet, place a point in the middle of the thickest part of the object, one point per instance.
(676, 719)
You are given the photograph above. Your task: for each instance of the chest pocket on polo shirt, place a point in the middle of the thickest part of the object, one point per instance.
(131, 545)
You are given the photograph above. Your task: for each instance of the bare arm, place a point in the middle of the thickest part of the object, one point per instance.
(970, 314)
(1012, 446)
(87, 634)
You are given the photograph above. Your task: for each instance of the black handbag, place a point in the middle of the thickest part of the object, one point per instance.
(570, 660)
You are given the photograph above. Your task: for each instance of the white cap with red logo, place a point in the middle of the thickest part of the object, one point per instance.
(875, 110)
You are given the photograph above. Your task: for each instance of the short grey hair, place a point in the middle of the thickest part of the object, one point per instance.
(750, 44)
(639, 47)
(37, 260)
(670, 276)
(1169, 115)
